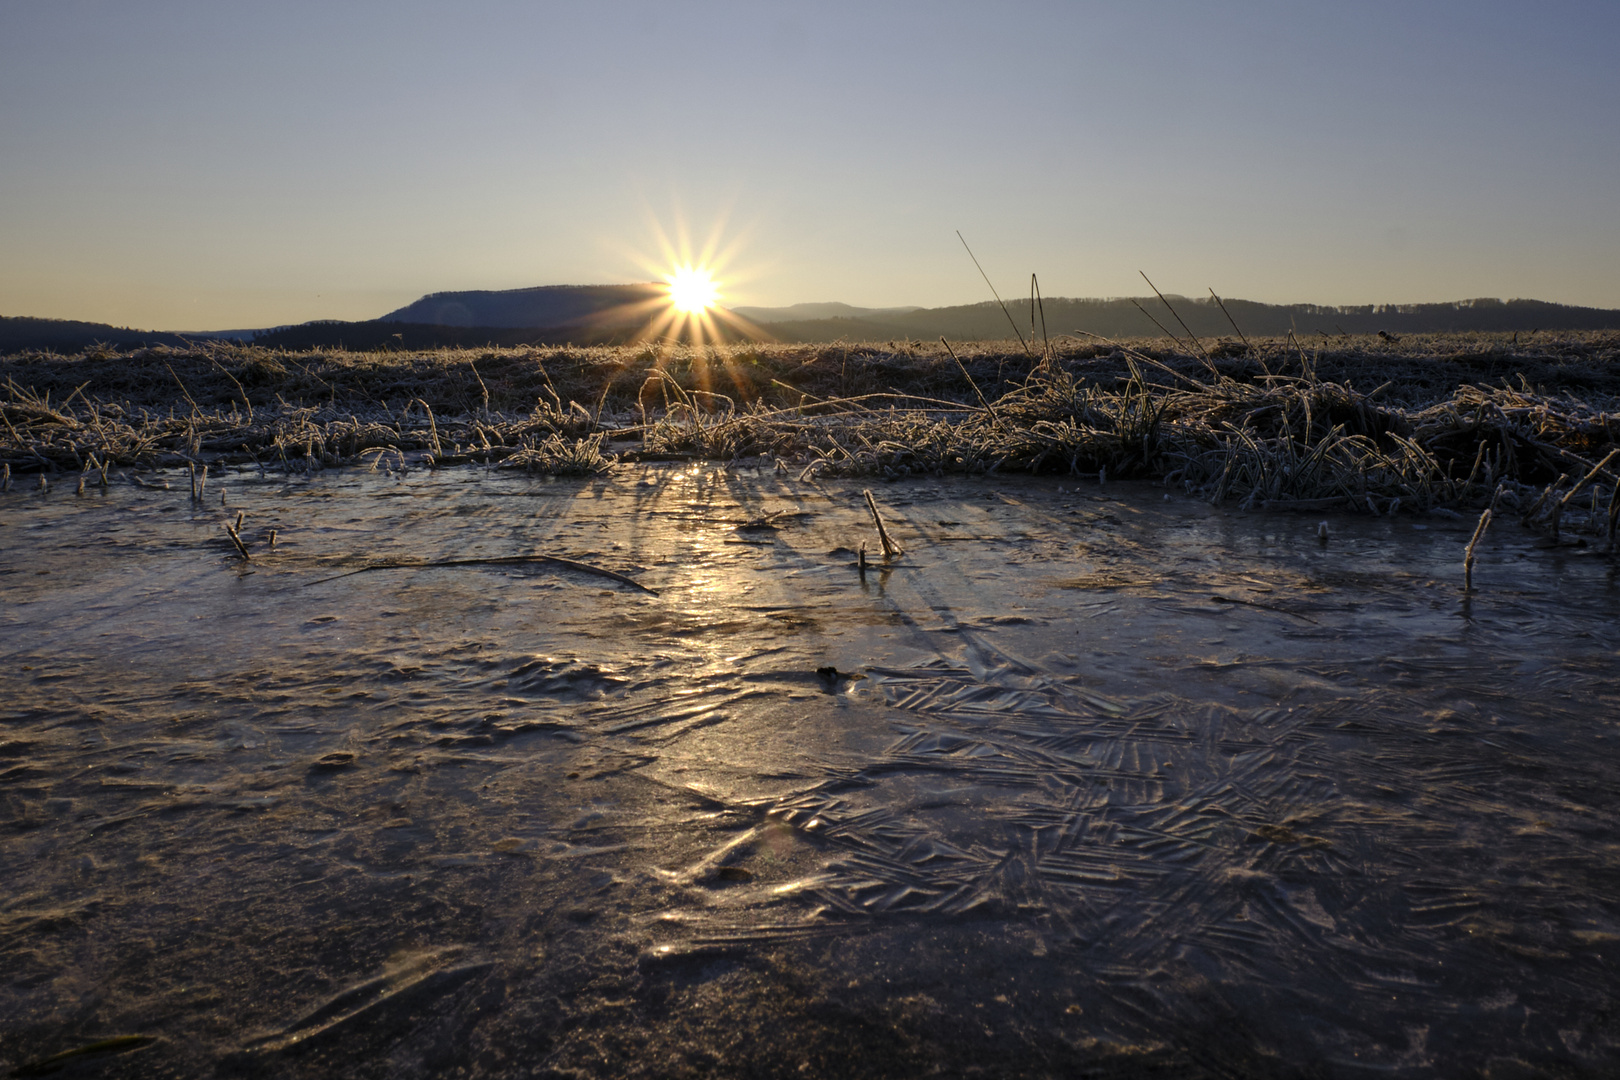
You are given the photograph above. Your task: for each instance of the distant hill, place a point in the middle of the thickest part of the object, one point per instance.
(608, 312)
(605, 314)
(806, 312)
(68, 336)
(544, 306)
(1121, 318)
(594, 306)
(378, 334)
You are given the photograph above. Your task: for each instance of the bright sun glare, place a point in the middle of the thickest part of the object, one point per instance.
(693, 290)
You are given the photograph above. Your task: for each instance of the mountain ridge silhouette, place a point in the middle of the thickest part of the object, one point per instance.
(594, 314)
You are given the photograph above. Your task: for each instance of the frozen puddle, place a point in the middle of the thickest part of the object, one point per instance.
(1096, 780)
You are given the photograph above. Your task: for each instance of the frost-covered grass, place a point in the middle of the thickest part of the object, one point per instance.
(1364, 423)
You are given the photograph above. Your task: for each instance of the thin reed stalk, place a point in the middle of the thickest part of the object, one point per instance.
(1156, 322)
(236, 541)
(1468, 555)
(891, 550)
(1229, 318)
(1004, 311)
(1199, 345)
(975, 386)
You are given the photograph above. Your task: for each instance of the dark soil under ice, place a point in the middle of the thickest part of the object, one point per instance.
(1105, 783)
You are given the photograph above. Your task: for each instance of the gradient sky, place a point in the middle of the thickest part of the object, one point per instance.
(220, 164)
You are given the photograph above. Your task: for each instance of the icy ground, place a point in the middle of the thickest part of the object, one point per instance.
(1097, 781)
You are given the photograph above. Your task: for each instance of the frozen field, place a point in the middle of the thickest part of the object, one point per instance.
(1088, 779)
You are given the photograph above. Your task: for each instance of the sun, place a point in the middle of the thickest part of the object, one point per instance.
(684, 303)
(692, 289)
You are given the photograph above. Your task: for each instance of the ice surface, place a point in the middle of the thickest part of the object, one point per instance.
(1099, 781)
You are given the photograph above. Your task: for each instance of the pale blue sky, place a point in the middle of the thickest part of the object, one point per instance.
(214, 164)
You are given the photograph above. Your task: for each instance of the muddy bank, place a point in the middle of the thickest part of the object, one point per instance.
(1093, 777)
